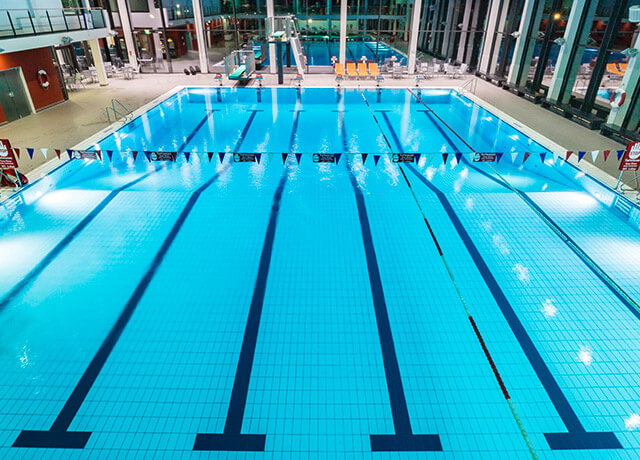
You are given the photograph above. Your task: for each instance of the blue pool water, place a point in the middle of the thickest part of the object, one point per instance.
(190, 310)
(321, 52)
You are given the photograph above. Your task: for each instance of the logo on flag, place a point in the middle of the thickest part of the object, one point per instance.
(244, 157)
(403, 157)
(324, 158)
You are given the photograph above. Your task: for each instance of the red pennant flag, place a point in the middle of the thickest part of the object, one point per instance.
(135, 154)
(526, 157)
(284, 157)
(17, 152)
(376, 158)
(58, 152)
(364, 157)
(568, 155)
(606, 154)
(444, 157)
(99, 153)
(210, 155)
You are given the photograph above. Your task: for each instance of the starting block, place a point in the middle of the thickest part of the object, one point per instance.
(299, 79)
(419, 78)
(379, 80)
(339, 79)
(259, 79)
(218, 78)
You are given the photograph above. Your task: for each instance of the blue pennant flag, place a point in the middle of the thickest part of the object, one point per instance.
(416, 157)
(376, 158)
(619, 153)
(581, 155)
(498, 157)
(338, 155)
(298, 157)
(458, 156)
(70, 153)
(258, 155)
(187, 155)
(30, 152)
(109, 154)
(147, 153)
(221, 155)
(543, 156)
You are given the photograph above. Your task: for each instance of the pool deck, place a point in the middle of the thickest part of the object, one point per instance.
(66, 124)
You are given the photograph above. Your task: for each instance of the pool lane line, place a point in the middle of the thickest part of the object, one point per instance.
(476, 330)
(66, 241)
(618, 291)
(232, 439)
(58, 435)
(190, 137)
(404, 439)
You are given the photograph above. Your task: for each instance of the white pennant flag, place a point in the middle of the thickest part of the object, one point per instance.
(514, 155)
(44, 152)
(594, 155)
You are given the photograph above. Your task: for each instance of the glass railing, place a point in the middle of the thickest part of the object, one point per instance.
(21, 23)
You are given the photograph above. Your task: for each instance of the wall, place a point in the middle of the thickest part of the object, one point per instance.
(3, 117)
(31, 61)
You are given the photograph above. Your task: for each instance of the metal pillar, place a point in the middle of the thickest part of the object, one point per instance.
(464, 36)
(343, 31)
(98, 62)
(413, 37)
(491, 45)
(575, 35)
(272, 46)
(129, 40)
(523, 50)
(198, 19)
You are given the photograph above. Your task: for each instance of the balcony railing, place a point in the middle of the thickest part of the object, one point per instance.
(23, 23)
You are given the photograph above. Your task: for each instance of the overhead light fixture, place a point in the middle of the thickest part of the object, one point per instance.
(556, 16)
(634, 13)
(515, 34)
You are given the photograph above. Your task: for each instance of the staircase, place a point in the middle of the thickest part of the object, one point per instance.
(296, 47)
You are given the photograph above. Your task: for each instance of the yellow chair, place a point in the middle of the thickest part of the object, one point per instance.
(373, 70)
(339, 69)
(351, 70)
(362, 70)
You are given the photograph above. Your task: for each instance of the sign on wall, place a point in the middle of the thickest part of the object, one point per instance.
(631, 159)
(7, 158)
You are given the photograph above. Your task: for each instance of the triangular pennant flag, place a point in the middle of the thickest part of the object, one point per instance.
(338, 155)
(298, 157)
(376, 158)
(109, 154)
(526, 157)
(594, 155)
(258, 155)
(364, 157)
(187, 155)
(30, 152)
(221, 156)
(135, 154)
(566, 158)
(581, 156)
(542, 157)
(210, 155)
(147, 154)
(606, 154)
(70, 153)
(416, 157)
(619, 153)
(17, 152)
(458, 156)
(44, 152)
(444, 157)
(58, 152)
(514, 155)
(284, 157)
(499, 157)
(99, 153)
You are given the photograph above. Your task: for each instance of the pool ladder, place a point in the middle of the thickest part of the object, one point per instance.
(469, 85)
(121, 112)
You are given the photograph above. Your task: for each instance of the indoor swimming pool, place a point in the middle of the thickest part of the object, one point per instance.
(286, 308)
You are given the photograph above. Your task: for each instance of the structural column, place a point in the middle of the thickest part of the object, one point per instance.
(450, 27)
(272, 46)
(464, 36)
(98, 62)
(523, 49)
(343, 31)
(576, 33)
(125, 21)
(198, 18)
(496, 19)
(631, 85)
(413, 37)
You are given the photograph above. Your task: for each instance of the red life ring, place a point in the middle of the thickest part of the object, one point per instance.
(9, 178)
(43, 79)
(617, 98)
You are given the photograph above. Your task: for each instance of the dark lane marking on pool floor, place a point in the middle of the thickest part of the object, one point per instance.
(58, 435)
(67, 240)
(231, 439)
(404, 439)
(576, 437)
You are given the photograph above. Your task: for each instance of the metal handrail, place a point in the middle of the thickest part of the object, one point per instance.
(126, 116)
(469, 85)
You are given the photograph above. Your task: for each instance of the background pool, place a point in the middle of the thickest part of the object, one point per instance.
(306, 309)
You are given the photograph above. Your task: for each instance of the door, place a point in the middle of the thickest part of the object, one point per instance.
(13, 96)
